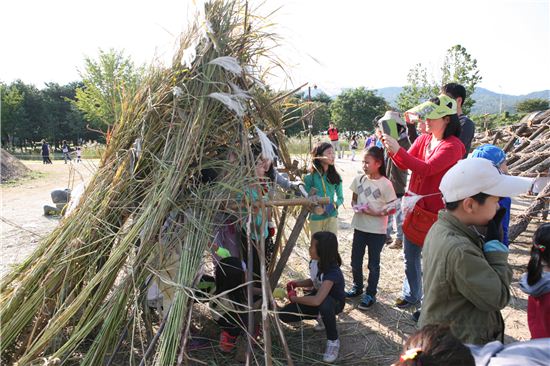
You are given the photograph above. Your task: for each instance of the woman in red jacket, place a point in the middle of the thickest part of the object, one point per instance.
(428, 159)
(536, 283)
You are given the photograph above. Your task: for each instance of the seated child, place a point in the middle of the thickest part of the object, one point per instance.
(327, 299)
(229, 309)
(536, 283)
(497, 156)
(466, 277)
(435, 345)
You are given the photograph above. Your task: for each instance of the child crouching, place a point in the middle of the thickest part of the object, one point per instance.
(327, 299)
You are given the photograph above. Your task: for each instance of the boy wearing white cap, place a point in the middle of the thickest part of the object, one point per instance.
(466, 276)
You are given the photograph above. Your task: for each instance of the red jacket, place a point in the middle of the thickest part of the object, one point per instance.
(428, 170)
(333, 134)
(538, 315)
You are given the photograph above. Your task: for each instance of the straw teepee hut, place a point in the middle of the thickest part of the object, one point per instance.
(81, 293)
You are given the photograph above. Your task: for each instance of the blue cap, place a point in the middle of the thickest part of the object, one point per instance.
(490, 152)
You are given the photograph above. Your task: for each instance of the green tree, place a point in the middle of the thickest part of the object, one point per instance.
(355, 109)
(460, 67)
(106, 81)
(11, 112)
(418, 89)
(532, 105)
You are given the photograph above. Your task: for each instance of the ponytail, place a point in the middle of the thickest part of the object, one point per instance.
(540, 252)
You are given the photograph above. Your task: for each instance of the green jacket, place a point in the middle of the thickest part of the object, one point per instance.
(463, 286)
(314, 180)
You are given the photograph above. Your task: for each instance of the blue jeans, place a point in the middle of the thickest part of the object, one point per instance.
(412, 284)
(398, 222)
(375, 244)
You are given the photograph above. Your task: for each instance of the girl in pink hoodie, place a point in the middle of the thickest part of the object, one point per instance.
(536, 283)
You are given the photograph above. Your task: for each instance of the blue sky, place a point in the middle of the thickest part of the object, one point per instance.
(328, 43)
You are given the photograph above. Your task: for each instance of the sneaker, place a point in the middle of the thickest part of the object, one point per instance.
(367, 302)
(331, 352)
(320, 326)
(397, 244)
(227, 341)
(416, 316)
(355, 291)
(403, 304)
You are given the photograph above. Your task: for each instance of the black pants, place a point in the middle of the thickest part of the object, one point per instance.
(328, 309)
(269, 249)
(233, 323)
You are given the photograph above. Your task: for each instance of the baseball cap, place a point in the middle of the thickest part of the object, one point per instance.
(490, 152)
(392, 115)
(477, 175)
(435, 108)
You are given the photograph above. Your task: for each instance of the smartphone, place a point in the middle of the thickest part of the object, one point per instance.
(389, 127)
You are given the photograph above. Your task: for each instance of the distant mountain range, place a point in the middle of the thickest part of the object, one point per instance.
(487, 101)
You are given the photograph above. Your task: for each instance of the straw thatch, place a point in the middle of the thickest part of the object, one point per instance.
(11, 167)
(82, 291)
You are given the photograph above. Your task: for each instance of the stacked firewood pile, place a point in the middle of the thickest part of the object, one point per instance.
(527, 146)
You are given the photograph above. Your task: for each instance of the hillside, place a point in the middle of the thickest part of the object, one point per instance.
(487, 101)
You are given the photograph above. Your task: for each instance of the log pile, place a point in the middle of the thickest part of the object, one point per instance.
(527, 146)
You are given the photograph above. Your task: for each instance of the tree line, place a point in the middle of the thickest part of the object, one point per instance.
(87, 109)
(30, 114)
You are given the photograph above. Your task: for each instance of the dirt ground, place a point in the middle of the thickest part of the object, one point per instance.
(23, 222)
(372, 337)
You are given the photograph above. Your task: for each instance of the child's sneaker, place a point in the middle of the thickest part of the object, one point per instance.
(367, 302)
(331, 352)
(355, 291)
(403, 304)
(320, 326)
(227, 341)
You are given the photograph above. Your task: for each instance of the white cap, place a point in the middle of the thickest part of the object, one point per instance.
(477, 175)
(393, 115)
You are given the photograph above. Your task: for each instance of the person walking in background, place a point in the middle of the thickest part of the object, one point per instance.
(468, 128)
(46, 153)
(333, 136)
(398, 178)
(428, 159)
(372, 192)
(353, 146)
(65, 149)
(328, 183)
(78, 154)
(536, 284)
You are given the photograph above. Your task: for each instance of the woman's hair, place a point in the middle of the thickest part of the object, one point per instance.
(453, 128)
(332, 175)
(435, 345)
(377, 153)
(230, 275)
(327, 250)
(540, 252)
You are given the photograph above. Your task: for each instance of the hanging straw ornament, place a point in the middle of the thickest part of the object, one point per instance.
(267, 146)
(410, 199)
